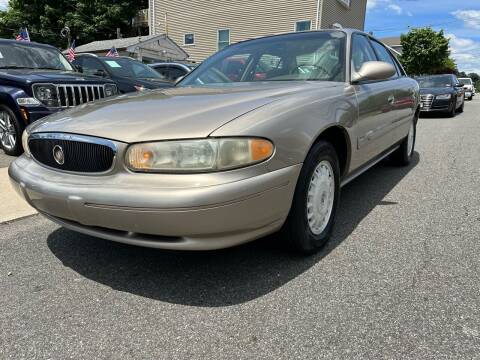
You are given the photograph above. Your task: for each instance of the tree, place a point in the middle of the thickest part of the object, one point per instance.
(426, 51)
(88, 20)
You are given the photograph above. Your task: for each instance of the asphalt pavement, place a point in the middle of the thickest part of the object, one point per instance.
(400, 278)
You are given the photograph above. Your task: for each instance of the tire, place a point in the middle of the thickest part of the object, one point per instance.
(304, 235)
(403, 155)
(11, 130)
(461, 108)
(453, 109)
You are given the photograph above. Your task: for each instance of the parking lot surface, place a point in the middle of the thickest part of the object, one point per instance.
(400, 278)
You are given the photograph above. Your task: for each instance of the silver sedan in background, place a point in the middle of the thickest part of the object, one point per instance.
(259, 138)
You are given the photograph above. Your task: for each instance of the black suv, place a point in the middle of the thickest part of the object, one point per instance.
(129, 74)
(36, 80)
(442, 93)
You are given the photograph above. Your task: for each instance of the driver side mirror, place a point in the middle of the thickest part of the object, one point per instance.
(460, 85)
(374, 70)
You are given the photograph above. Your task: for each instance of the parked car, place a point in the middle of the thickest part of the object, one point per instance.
(217, 162)
(36, 80)
(171, 72)
(469, 87)
(129, 74)
(441, 93)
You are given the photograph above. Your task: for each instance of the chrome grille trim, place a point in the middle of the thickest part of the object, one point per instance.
(78, 139)
(71, 95)
(427, 101)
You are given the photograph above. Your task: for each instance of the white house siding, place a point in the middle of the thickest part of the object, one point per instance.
(245, 19)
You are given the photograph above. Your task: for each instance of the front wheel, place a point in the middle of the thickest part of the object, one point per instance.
(310, 222)
(453, 109)
(403, 155)
(461, 108)
(10, 132)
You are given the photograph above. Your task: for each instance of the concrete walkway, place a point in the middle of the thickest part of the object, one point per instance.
(12, 206)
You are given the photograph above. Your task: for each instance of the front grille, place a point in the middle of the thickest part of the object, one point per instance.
(79, 154)
(427, 101)
(73, 95)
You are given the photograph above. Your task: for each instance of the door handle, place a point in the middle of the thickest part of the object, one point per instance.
(391, 99)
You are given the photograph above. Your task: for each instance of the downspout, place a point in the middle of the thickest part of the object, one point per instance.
(318, 15)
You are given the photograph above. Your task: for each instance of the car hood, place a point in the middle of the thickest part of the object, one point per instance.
(436, 91)
(181, 112)
(28, 76)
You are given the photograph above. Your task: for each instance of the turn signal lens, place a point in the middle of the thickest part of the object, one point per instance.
(205, 155)
(261, 149)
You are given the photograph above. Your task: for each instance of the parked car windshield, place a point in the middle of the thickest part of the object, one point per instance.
(305, 56)
(435, 81)
(131, 68)
(23, 56)
(465, 81)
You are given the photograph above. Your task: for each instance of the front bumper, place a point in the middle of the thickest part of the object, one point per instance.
(214, 211)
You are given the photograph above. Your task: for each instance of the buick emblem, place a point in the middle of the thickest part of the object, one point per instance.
(58, 155)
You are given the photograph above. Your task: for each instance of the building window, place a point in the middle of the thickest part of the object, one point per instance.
(223, 38)
(303, 25)
(345, 2)
(189, 39)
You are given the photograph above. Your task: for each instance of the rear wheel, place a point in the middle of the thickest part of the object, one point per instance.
(10, 132)
(310, 222)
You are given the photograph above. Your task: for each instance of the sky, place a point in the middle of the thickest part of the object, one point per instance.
(459, 19)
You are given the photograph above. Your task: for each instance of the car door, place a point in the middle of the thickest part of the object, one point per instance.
(375, 105)
(404, 104)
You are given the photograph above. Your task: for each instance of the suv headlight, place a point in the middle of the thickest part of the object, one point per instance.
(205, 155)
(46, 94)
(110, 90)
(443, 97)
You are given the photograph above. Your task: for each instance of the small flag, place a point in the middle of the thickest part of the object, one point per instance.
(112, 52)
(71, 52)
(23, 35)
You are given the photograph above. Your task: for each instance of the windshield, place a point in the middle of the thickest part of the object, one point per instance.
(435, 82)
(305, 56)
(465, 81)
(130, 68)
(22, 56)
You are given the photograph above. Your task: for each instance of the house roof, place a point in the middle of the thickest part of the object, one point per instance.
(156, 46)
(391, 41)
(108, 44)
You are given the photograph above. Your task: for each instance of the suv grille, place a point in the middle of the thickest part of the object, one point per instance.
(427, 101)
(72, 152)
(73, 95)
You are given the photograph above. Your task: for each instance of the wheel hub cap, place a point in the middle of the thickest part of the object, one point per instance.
(8, 135)
(411, 137)
(320, 197)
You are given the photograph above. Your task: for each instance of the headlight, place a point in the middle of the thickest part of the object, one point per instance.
(204, 155)
(443, 97)
(26, 149)
(47, 94)
(110, 90)
(28, 102)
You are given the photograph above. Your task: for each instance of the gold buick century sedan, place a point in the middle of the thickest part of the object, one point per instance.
(259, 138)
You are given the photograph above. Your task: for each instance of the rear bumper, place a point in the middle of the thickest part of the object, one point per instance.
(184, 218)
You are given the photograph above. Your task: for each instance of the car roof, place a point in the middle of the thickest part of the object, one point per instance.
(26, 43)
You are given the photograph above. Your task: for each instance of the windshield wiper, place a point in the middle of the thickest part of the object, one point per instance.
(15, 67)
(50, 68)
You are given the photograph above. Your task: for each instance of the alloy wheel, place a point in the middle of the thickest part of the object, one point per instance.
(8, 135)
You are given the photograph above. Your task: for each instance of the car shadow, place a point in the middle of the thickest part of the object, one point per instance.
(218, 278)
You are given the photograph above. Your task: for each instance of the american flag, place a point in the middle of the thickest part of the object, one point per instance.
(71, 52)
(112, 52)
(23, 35)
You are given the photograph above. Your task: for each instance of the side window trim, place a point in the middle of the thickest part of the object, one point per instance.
(372, 40)
(352, 70)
